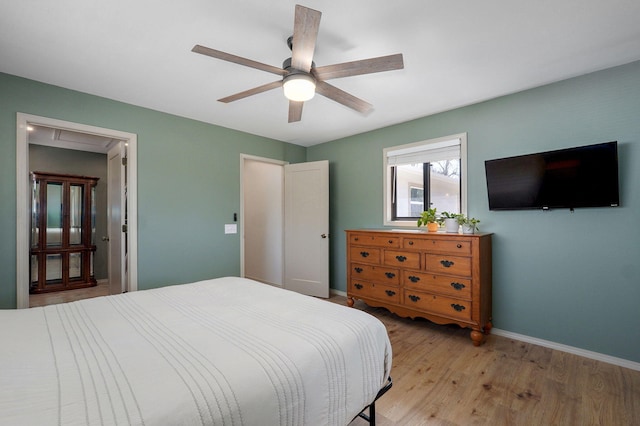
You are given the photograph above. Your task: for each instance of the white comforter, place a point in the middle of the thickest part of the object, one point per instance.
(228, 351)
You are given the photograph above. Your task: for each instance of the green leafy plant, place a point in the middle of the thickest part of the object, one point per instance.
(470, 221)
(450, 221)
(427, 216)
(447, 215)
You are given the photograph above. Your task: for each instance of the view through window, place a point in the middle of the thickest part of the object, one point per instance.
(424, 175)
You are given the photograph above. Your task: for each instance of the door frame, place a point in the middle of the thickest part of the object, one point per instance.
(23, 200)
(243, 158)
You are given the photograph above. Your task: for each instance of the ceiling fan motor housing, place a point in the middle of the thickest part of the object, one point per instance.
(286, 65)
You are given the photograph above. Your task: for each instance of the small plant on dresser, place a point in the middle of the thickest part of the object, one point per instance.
(429, 219)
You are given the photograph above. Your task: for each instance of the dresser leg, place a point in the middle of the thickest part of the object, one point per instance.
(477, 337)
(350, 302)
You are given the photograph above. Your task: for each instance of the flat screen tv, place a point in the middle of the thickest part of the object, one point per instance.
(585, 176)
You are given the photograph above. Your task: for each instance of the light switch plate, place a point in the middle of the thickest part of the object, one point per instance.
(230, 228)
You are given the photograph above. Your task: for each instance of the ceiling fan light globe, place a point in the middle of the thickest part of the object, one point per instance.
(299, 87)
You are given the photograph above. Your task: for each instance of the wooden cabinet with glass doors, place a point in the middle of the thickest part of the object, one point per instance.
(62, 232)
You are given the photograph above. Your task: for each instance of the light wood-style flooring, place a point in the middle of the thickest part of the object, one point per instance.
(43, 299)
(440, 378)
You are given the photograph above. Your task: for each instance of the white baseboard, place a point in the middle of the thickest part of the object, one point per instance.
(553, 345)
(569, 349)
(338, 292)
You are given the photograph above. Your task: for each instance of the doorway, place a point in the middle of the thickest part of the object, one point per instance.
(262, 220)
(94, 136)
(284, 224)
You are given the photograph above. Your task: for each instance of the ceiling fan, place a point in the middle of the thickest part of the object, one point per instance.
(301, 79)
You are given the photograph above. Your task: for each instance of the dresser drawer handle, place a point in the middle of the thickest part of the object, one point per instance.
(390, 293)
(364, 254)
(356, 239)
(446, 263)
(414, 298)
(358, 286)
(401, 258)
(457, 307)
(410, 243)
(459, 246)
(390, 275)
(358, 270)
(390, 241)
(458, 286)
(414, 279)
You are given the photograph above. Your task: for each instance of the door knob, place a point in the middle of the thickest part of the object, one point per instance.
(324, 235)
(105, 238)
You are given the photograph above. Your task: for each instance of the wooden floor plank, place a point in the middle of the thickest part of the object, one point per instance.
(440, 378)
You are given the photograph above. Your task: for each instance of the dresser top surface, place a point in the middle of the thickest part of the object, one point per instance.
(418, 232)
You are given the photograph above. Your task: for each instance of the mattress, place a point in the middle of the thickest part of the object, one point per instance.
(227, 351)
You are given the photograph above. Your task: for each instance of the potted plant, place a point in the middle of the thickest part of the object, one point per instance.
(450, 220)
(469, 224)
(428, 219)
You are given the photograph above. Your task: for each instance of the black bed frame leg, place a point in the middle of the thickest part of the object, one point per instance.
(372, 414)
(371, 418)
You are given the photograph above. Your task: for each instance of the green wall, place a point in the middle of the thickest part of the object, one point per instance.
(188, 182)
(570, 278)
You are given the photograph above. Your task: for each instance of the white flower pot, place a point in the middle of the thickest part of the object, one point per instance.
(468, 229)
(451, 225)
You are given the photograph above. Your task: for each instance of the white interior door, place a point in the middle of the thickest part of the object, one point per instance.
(116, 219)
(307, 228)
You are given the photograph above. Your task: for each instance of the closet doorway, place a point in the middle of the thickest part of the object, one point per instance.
(284, 224)
(122, 207)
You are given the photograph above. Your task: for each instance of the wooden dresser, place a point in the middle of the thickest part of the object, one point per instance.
(445, 278)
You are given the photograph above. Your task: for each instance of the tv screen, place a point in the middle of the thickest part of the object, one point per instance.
(585, 176)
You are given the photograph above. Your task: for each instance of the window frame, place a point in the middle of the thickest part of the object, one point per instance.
(388, 210)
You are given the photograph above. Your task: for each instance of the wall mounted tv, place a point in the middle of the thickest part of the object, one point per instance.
(585, 176)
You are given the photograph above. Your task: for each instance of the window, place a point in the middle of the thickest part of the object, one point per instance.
(424, 174)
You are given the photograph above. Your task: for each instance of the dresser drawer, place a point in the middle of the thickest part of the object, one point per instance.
(382, 274)
(402, 259)
(391, 241)
(359, 289)
(444, 264)
(441, 284)
(439, 305)
(365, 254)
(458, 247)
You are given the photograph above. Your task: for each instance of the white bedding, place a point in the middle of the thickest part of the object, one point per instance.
(228, 351)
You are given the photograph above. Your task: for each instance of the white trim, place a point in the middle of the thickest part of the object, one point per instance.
(243, 158)
(22, 196)
(569, 349)
(412, 147)
(338, 292)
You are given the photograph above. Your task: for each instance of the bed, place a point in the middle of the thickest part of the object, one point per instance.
(227, 351)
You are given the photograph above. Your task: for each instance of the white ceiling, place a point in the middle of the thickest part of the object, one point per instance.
(456, 53)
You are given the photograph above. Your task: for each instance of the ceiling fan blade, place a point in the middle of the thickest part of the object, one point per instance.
(254, 91)
(295, 111)
(305, 33)
(342, 97)
(365, 66)
(237, 59)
